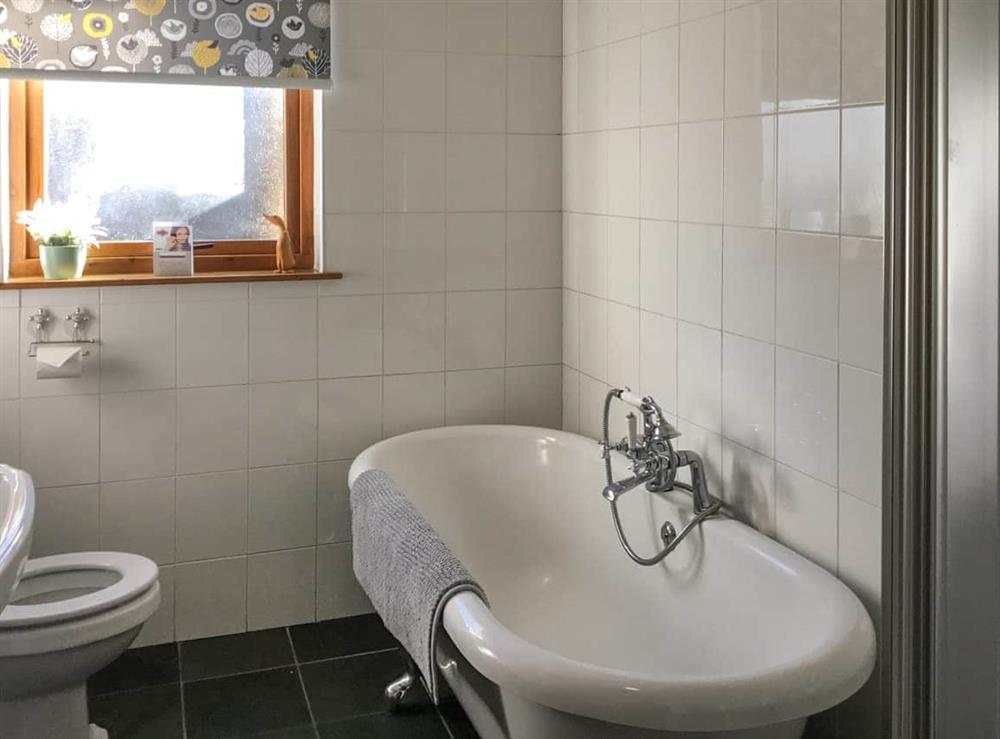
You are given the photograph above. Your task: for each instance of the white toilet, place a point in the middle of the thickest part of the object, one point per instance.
(68, 616)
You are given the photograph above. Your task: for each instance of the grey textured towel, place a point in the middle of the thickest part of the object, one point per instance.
(404, 567)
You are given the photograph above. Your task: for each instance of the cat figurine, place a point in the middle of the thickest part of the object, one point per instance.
(284, 248)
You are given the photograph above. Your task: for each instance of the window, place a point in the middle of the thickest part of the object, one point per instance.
(215, 157)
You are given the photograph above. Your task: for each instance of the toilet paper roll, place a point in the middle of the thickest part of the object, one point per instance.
(55, 362)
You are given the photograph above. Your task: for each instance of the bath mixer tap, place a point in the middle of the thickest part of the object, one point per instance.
(654, 464)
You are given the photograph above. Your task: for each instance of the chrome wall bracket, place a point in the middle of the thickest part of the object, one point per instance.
(40, 326)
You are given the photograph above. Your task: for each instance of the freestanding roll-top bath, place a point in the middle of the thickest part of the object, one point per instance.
(733, 635)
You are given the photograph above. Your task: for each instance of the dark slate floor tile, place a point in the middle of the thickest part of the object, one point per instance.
(246, 705)
(351, 686)
(424, 724)
(458, 723)
(341, 637)
(137, 668)
(147, 713)
(228, 655)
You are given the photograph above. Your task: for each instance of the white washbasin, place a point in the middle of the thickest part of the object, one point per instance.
(17, 515)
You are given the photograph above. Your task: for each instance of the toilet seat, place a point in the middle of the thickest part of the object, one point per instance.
(111, 578)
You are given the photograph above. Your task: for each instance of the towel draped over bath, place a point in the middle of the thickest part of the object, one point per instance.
(405, 568)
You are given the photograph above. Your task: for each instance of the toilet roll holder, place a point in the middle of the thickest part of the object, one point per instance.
(39, 324)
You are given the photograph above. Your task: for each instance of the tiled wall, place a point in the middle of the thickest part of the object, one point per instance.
(213, 427)
(722, 252)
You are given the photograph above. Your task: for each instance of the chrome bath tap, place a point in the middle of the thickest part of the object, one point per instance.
(654, 464)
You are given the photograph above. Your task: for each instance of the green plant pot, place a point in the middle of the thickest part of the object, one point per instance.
(63, 262)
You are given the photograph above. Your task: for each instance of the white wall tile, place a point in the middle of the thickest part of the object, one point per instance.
(660, 83)
(350, 336)
(700, 172)
(533, 396)
(282, 508)
(593, 22)
(624, 19)
(350, 416)
(863, 176)
(414, 91)
(138, 517)
(66, 520)
(861, 434)
(807, 292)
(658, 359)
(138, 435)
(702, 48)
(281, 588)
(534, 94)
(748, 282)
(412, 402)
(659, 176)
(475, 396)
(476, 251)
(863, 70)
(210, 598)
(570, 400)
(138, 346)
(534, 179)
(358, 24)
(414, 252)
(808, 53)
(211, 515)
(534, 250)
(699, 375)
(477, 27)
(571, 329)
(592, 246)
(212, 429)
(475, 329)
(353, 244)
(477, 101)
(623, 83)
(594, 337)
(534, 325)
(159, 628)
(213, 343)
(282, 423)
(809, 171)
(333, 503)
(806, 414)
(806, 516)
(352, 181)
(354, 103)
(623, 346)
(748, 486)
(750, 189)
(415, 24)
(60, 439)
(659, 14)
(477, 166)
(414, 332)
(10, 351)
(338, 594)
(861, 303)
(592, 395)
(283, 340)
(748, 393)
(623, 260)
(752, 59)
(534, 27)
(592, 70)
(10, 432)
(694, 9)
(860, 548)
(699, 264)
(623, 173)
(658, 267)
(414, 174)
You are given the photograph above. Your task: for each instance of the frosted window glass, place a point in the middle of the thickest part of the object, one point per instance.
(209, 156)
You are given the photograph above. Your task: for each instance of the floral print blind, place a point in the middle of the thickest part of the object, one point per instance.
(284, 43)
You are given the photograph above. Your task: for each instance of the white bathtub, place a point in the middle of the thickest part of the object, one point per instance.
(733, 635)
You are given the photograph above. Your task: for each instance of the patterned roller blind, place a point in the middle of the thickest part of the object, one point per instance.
(284, 43)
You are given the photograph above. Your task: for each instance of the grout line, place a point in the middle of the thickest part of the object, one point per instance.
(302, 682)
(180, 687)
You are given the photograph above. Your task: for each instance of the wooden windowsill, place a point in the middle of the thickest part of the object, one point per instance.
(31, 283)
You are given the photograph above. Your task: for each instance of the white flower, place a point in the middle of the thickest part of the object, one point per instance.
(61, 221)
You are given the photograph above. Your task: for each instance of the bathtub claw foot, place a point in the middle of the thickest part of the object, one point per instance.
(396, 691)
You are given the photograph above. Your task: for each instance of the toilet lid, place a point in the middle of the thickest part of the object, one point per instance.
(105, 579)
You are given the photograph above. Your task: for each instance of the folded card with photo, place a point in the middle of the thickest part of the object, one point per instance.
(173, 249)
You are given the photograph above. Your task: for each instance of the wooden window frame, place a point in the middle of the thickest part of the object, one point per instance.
(27, 178)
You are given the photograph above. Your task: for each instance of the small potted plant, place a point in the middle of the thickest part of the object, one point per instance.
(63, 232)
